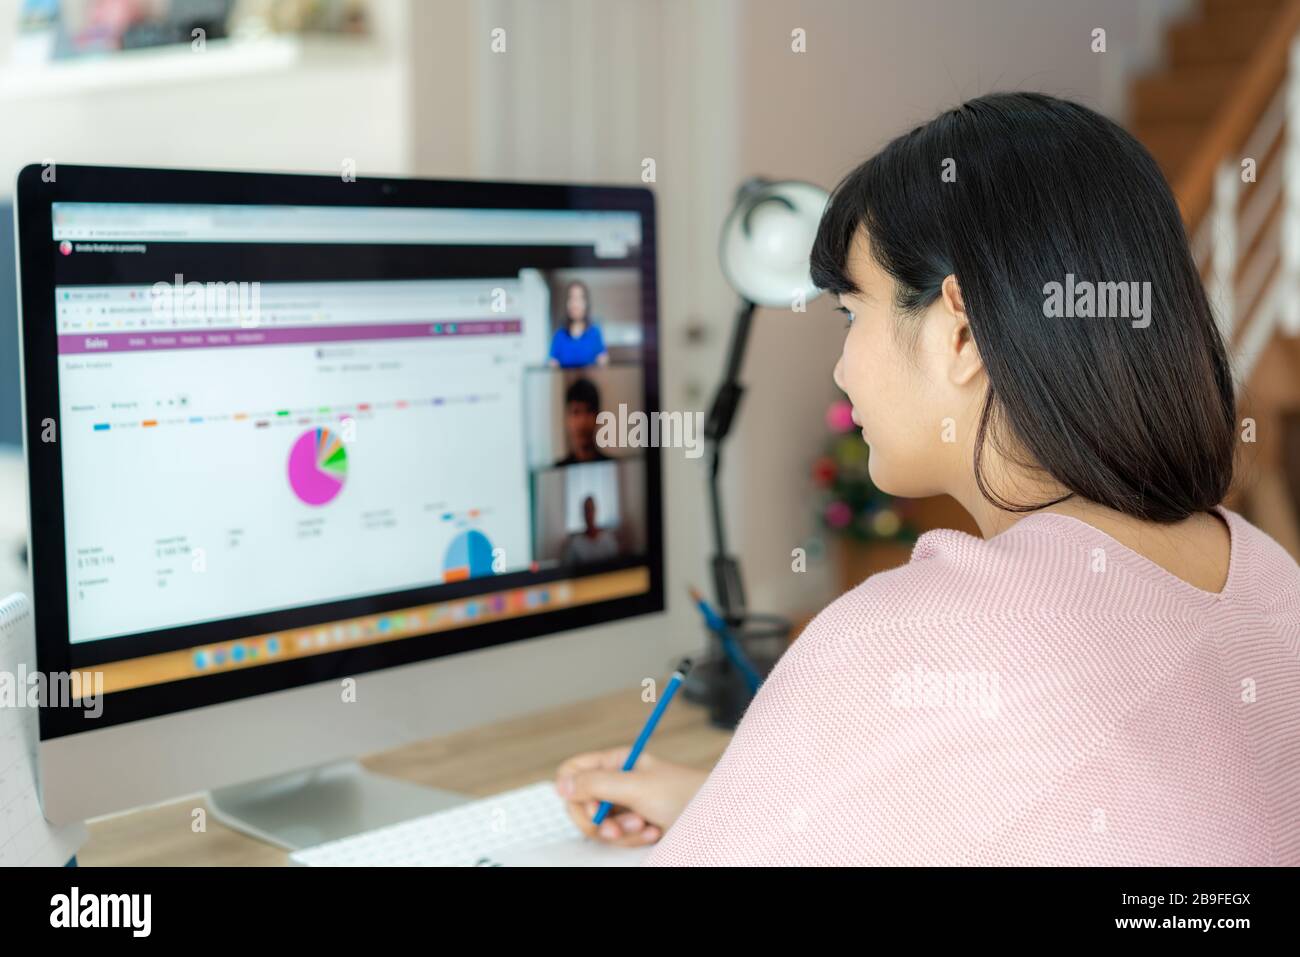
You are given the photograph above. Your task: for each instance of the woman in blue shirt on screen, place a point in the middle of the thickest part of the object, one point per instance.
(578, 342)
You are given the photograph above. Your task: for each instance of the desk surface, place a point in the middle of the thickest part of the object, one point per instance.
(478, 762)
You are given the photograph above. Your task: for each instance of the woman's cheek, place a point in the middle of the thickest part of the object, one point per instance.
(869, 386)
(852, 368)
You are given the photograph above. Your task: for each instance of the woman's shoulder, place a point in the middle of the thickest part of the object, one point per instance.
(1030, 568)
(1267, 569)
(1049, 568)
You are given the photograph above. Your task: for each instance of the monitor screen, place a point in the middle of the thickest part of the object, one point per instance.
(297, 441)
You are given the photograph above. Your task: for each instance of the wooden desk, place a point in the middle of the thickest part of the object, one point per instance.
(478, 762)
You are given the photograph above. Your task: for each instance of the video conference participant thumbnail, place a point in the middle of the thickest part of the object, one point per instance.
(590, 513)
(595, 316)
(581, 419)
(578, 342)
(564, 409)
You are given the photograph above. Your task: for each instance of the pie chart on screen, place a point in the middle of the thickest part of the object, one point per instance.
(318, 466)
(468, 556)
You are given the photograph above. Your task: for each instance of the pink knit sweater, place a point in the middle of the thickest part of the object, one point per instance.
(1046, 697)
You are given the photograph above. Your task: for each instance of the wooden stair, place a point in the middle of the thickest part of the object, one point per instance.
(1172, 108)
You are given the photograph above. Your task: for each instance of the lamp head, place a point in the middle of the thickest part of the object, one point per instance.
(767, 239)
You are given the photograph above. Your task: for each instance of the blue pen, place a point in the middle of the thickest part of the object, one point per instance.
(670, 689)
(729, 645)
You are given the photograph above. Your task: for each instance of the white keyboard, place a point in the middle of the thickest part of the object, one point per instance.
(469, 835)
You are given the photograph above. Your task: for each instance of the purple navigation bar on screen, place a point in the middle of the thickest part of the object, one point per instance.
(151, 340)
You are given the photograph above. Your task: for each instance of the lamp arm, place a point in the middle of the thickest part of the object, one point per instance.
(729, 589)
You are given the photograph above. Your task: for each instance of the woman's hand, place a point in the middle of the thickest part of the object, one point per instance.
(647, 799)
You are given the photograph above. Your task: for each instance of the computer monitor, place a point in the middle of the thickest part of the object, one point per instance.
(284, 430)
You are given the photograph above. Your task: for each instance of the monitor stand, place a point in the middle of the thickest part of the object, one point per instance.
(322, 804)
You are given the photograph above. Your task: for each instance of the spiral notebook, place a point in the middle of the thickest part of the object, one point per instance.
(26, 838)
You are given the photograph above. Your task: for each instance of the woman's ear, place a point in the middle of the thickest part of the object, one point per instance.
(965, 361)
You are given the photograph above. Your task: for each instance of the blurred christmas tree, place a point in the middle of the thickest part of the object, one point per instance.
(852, 506)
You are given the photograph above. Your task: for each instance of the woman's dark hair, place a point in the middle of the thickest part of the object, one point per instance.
(586, 297)
(1011, 193)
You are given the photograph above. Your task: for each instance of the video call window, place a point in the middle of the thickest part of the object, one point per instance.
(588, 490)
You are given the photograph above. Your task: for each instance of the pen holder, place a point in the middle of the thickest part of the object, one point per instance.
(718, 685)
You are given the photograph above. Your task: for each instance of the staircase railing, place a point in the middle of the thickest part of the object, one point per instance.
(1246, 234)
(1246, 240)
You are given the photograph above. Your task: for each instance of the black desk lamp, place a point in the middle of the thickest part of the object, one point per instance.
(764, 252)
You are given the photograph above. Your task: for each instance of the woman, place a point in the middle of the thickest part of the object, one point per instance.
(1111, 674)
(579, 341)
